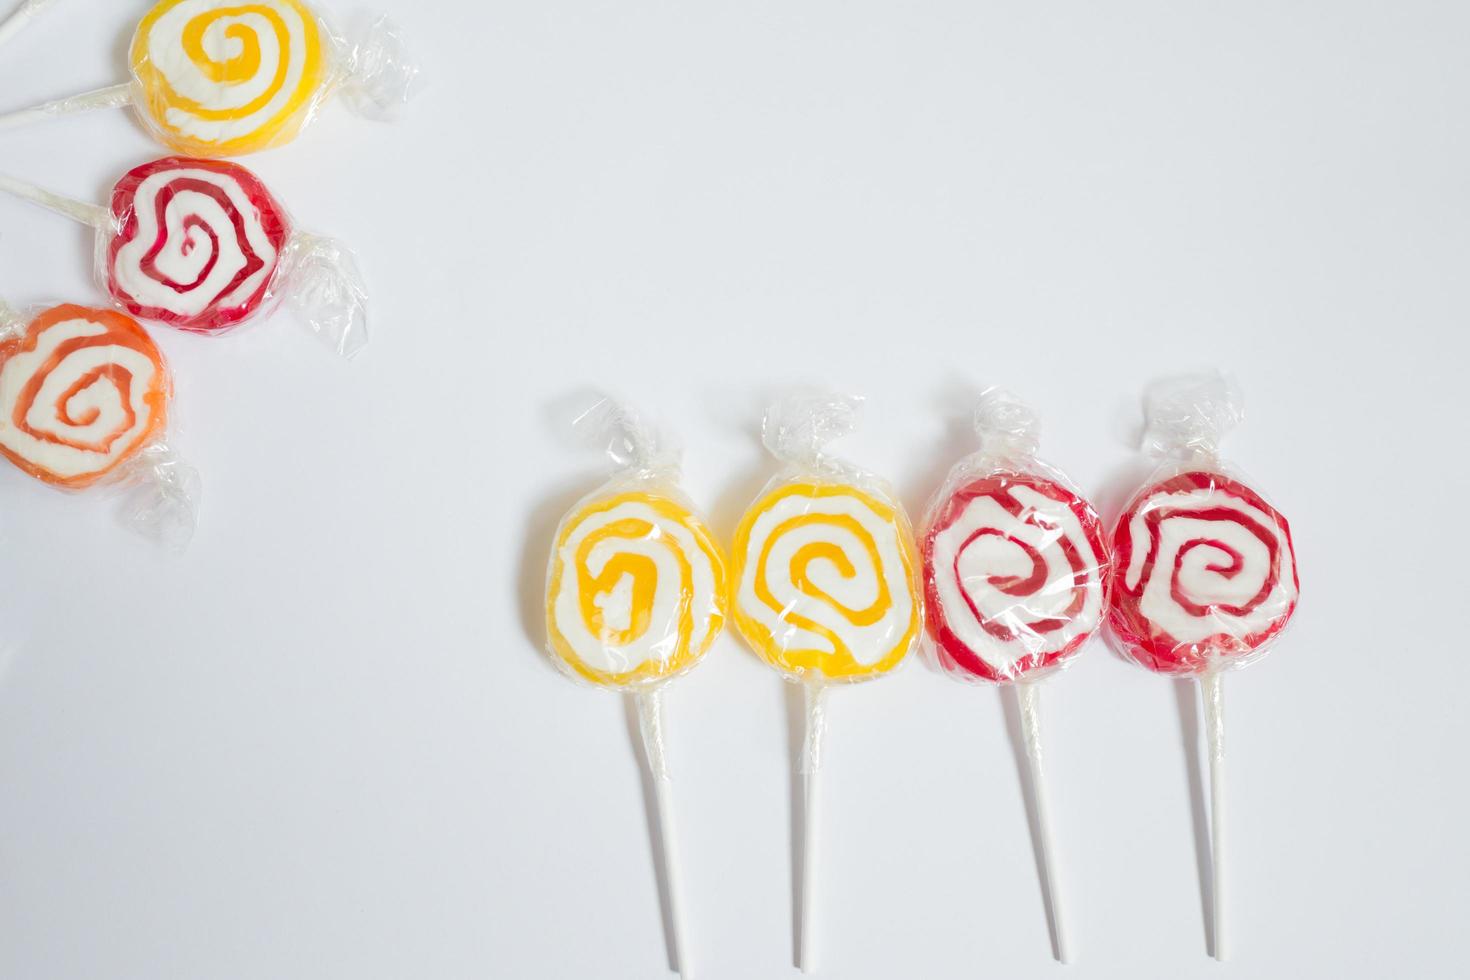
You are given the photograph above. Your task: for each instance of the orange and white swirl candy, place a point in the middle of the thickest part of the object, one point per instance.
(226, 77)
(636, 591)
(82, 391)
(825, 581)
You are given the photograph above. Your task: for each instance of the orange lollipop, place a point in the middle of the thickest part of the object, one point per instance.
(84, 400)
(81, 392)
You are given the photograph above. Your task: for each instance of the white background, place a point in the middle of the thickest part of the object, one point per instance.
(325, 742)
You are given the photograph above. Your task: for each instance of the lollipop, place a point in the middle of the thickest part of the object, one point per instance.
(1206, 572)
(84, 399)
(1015, 581)
(218, 78)
(201, 245)
(825, 584)
(635, 595)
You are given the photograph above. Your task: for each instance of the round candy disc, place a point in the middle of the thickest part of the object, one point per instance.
(220, 78)
(81, 392)
(825, 581)
(198, 243)
(636, 592)
(1015, 576)
(1205, 572)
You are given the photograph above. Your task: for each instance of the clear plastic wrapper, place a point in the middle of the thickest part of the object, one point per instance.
(202, 245)
(216, 78)
(636, 588)
(1206, 572)
(1015, 560)
(825, 570)
(85, 397)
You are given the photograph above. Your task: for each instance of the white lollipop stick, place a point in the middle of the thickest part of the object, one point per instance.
(811, 769)
(20, 17)
(1209, 687)
(112, 97)
(1028, 698)
(651, 724)
(88, 214)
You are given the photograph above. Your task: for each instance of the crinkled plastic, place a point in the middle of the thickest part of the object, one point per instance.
(636, 587)
(1206, 572)
(215, 78)
(825, 572)
(84, 402)
(203, 246)
(1015, 561)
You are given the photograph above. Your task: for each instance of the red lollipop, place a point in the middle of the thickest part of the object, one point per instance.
(1015, 581)
(198, 243)
(1207, 574)
(1014, 576)
(1206, 571)
(202, 246)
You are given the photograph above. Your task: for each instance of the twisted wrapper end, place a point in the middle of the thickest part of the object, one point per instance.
(381, 76)
(1009, 430)
(1188, 416)
(161, 501)
(798, 427)
(326, 289)
(627, 438)
(12, 323)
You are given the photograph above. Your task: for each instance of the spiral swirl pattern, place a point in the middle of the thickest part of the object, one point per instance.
(1206, 572)
(81, 391)
(221, 78)
(636, 591)
(825, 581)
(198, 243)
(1015, 576)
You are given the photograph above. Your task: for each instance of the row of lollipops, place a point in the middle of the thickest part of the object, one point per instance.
(189, 241)
(1010, 576)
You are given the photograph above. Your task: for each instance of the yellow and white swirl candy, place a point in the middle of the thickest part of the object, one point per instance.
(824, 581)
(636, 592)
(219, 78)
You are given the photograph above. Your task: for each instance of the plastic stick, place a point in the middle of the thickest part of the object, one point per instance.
(20, 17)
(113, 97)
(88, 214)
(1028, 698)
(811, 770)
(651, 724)
(1210, 684)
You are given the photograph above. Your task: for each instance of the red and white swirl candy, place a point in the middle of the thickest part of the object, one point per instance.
(198, 243)
(1015, 576)
(1206, 573)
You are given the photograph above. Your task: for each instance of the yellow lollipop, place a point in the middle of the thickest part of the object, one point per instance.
(224, 78)
(221, 78)
(825, 585)
(825, 581)
(636, 592)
